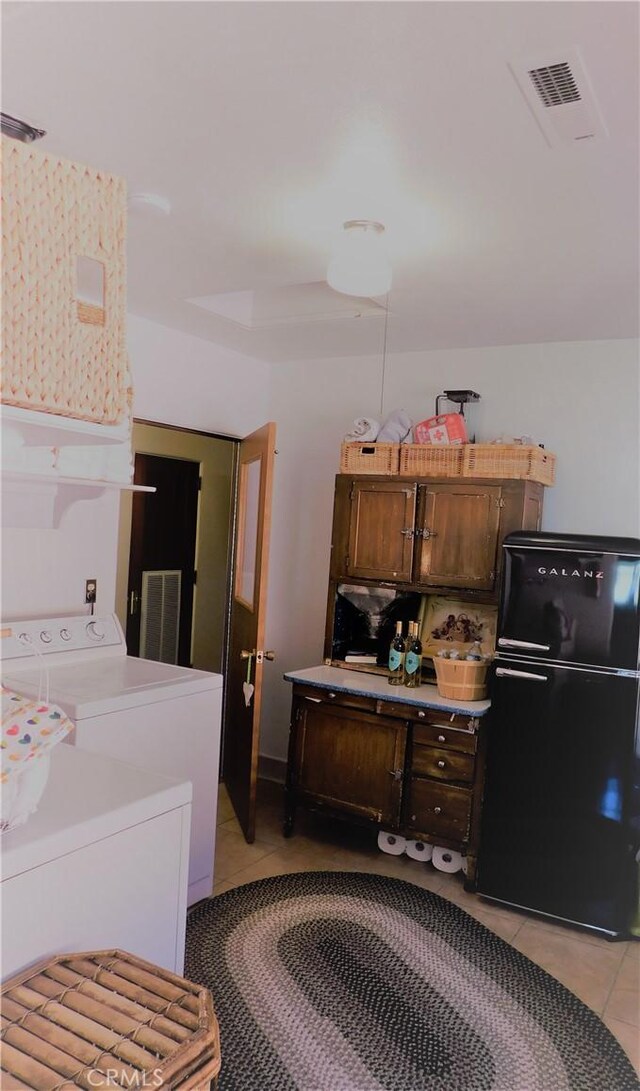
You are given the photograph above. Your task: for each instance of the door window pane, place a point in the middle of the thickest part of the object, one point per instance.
(248, 503)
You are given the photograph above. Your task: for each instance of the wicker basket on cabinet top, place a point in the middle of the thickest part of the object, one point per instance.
(62, 355)
(509, 461)
(107, 1019)
(430, 460)
(370, 458)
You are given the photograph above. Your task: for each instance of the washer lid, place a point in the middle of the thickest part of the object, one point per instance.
(99, 686)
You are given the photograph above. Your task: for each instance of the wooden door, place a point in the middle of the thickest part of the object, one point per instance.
(457, 535)
(350, 761)
(163, 539)
(241, 732)
(381, 527)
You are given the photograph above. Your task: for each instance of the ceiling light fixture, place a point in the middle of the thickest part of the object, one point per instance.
(360, 265)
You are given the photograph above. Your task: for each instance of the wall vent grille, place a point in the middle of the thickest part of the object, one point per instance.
(555, 84)
(160, 615)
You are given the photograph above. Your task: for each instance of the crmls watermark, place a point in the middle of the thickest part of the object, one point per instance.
(117, 1077)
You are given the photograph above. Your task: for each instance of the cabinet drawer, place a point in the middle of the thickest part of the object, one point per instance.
(445, 736)
(439, 809)
(335, 697)
(431, 761)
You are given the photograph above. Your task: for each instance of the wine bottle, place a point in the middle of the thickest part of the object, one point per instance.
(413, 658)
(396, 658)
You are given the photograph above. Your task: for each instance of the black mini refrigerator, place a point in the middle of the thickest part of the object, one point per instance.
(560, 823)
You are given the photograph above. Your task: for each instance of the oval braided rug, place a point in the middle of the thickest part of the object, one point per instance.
(334, 981)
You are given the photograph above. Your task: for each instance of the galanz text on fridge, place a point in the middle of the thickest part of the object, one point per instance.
(597, 574)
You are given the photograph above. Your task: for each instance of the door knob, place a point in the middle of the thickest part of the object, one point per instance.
(247, 655)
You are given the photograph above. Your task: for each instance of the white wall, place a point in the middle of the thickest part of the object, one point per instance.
(580, 399)
(44, 571)
(183, 380)
(178, 379)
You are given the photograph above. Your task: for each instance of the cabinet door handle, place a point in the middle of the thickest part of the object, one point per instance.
(407, 532)
(427, 533)
(437, 810)
(395, 773)
(442, 738)
(441, 764)
(422, 715)
(332, 694)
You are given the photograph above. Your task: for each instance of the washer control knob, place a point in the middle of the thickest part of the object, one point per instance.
(94, 631)
(65, 634)
(45, 636)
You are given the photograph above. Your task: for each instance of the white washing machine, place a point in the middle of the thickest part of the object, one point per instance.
(154, 715)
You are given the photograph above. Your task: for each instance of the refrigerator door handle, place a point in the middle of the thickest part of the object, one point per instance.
(504, 642)
(505, 672)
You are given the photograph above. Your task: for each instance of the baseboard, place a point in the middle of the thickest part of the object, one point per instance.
(272, 768)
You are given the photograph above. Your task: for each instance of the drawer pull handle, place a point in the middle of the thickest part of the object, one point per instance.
(331, 693)
(441, 764)
(422, 715)
(437, 810)
(442, 738)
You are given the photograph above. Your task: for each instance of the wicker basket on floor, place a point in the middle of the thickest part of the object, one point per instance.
(461, 679)
(105, 1019)
(370, 458)
(509, 460)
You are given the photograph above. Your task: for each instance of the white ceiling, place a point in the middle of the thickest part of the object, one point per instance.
(268, 124)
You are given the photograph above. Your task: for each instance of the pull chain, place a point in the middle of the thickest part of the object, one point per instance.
(384, 354)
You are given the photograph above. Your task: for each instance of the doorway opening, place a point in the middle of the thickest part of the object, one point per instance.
(226, 630)
(162, 559)
(185, 532)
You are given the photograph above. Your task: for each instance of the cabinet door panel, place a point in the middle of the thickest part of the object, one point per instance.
(457, 535)
(351, 761)
(382, 517)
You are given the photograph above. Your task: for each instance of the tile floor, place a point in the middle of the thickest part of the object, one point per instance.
(605, 975)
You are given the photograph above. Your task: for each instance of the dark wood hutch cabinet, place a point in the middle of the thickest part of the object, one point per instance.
(362, 751)
(443, 533)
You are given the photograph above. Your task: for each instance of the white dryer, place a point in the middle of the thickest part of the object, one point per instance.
(160, 717)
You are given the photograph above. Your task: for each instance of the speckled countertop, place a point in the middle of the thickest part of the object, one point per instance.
(376, 685)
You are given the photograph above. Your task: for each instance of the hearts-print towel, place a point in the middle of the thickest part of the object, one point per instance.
(29, 729)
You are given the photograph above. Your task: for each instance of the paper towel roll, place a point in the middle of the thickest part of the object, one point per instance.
(391, 843)
(446, 859)
(418, 850)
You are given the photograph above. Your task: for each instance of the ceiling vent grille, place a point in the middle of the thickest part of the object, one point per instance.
(555, 84)
(560, 96)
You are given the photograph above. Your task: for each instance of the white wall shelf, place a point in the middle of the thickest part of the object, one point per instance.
(49, 430)
(40, 500)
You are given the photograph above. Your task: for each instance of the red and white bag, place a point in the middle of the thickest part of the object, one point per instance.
(441, 430)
